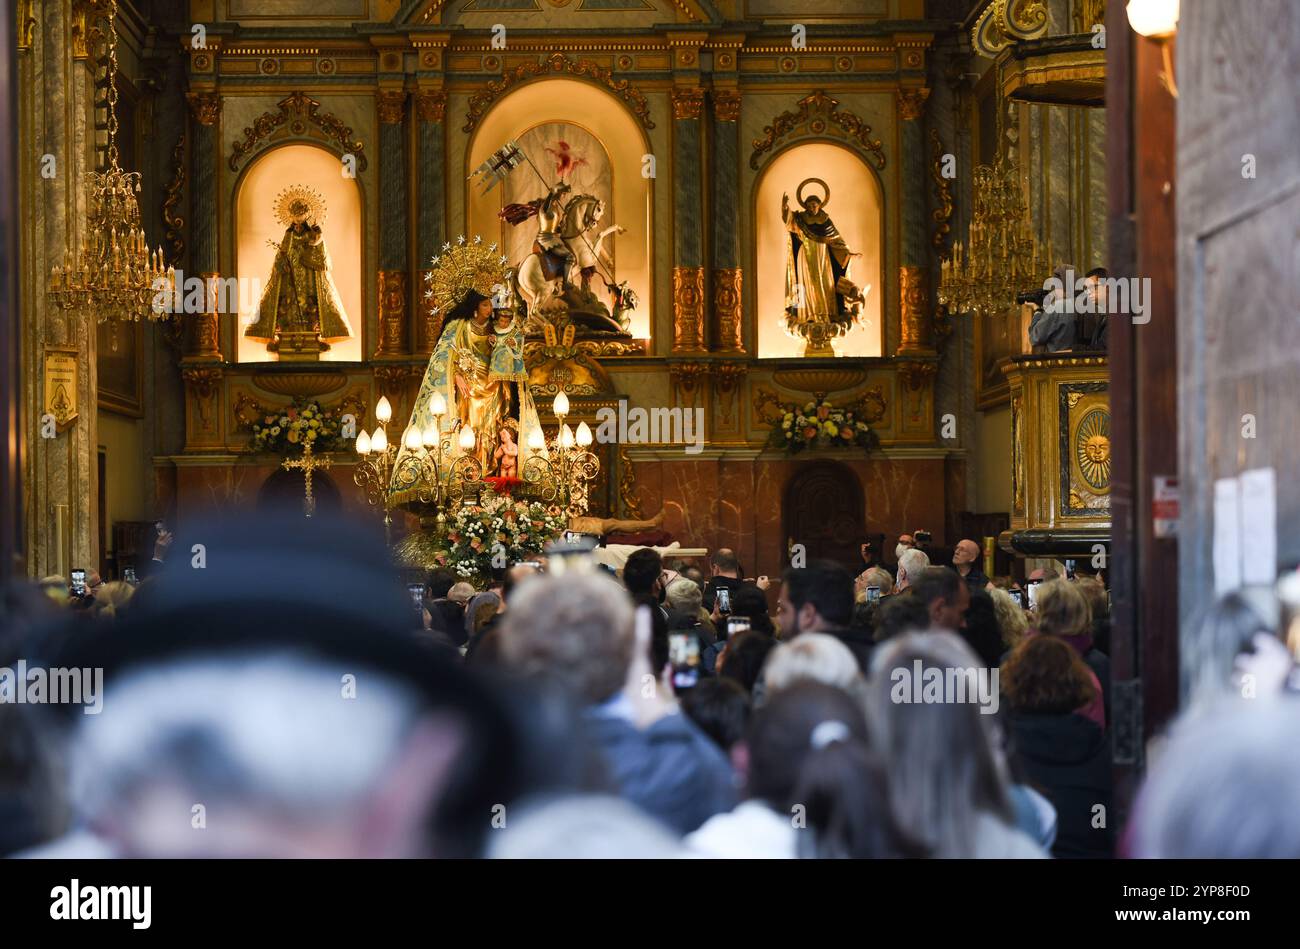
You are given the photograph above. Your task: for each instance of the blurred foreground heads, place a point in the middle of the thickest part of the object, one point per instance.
(268, 699)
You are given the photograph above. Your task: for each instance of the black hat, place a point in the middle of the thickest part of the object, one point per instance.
(467, 305)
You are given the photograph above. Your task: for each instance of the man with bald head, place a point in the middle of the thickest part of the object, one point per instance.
(965, 560)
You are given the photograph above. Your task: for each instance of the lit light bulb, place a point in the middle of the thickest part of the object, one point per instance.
(363, 443)
(1156, 19)
(379, 441)
(431, 436)
(561, 405)
(438, 405)
(535, 439)
(384, 410)
(566, 436)
(583, 436)
(467, 438)
(411, 439)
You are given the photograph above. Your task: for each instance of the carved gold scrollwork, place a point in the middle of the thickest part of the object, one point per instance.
(628, 497)
(556, 63)
(817, 115)
(942, 214)
(174, 191)
(297, 111)
(1004, 22)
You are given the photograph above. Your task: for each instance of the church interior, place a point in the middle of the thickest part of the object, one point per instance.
(772, 277)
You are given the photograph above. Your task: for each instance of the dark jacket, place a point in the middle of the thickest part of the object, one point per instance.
(977, 579)
(1067, 758)
(671, 770)
(711, 589)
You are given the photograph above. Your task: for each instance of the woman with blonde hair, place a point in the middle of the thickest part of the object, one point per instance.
(1063, 612)
(1011, 617)
(111, 599)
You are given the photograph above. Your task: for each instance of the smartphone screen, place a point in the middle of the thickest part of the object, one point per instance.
(873, 594)
(1018, 597)
(417, 595)
(684, 654)
(724, 600)
(737, 624)
(1069, 570)
(1032, 591)
(79, 582)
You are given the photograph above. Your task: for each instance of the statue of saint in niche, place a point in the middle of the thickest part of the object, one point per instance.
(300, 312)
(821, 301)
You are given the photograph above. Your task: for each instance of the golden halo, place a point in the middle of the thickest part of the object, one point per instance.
(799, 192)
(314, 200)
(461, 266)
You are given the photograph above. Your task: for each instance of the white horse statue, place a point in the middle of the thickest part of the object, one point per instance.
(540, 279)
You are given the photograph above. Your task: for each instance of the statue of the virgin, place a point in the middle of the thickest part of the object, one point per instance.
(476, 372)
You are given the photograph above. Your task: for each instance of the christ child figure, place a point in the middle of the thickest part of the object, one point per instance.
(506, 456)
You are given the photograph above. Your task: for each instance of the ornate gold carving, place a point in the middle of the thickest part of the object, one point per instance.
(628, 497)
(26, 24)
(392, 313)
(918, 379)
(816, 115)
(557, 63)
(205, 339)
(174, 191)
(726, 105)
(916, 327)
(298, 111)
(687, 103)
(1073, 398)
(431, 106)
(1092, 449)
(821, 381)
(942, 214)
(727, 377)
(911, 102)
(202, 383)
(688, 379)
(206, 106)
(1017, 457)
(688, 305)
(82, 12)
(391, 105)
(1006, 21)
(727, 309)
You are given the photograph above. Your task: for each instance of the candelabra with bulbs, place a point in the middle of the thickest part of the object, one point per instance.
(439, 477)
(375, 457)
(563, 476)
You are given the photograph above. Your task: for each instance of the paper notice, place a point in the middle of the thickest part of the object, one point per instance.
(1259, 526)
(1227, 535)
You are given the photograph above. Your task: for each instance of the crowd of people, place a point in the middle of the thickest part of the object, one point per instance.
(283, 696)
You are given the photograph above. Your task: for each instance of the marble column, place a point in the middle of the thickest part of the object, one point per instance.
(688, 251)
(917, 330)
(430, 110)
(393, 221)
(728, 336)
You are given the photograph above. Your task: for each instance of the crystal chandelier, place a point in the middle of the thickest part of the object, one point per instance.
(1001, 257)
(115, 276)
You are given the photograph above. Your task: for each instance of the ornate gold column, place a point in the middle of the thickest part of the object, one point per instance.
(727, 274)
(391, 106)
(688, 272)
(916, 333)
(430, 111)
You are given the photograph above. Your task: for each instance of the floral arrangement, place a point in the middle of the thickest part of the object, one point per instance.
(499, 528)
(821, 425)
(302, 423)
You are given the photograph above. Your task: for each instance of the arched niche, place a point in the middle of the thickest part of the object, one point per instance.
(857, 208)
(533, 110)
(255, 225)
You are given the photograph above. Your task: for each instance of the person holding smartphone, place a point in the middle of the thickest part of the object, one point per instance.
(725, 573)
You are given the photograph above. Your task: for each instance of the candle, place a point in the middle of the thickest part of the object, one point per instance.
(363, 443)
(561, 405)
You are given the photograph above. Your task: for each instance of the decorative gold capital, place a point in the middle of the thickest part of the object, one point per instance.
(431, 106)
(916, 333)
(911, 103)
(26, 24)
(392, 313)
(688, 301)
(727, 309)
(687, 103)
(392, 106)
(726, 105)
(206, 106)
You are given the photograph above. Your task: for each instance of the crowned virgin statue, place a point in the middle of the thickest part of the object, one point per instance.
(300, 312)
(476, 380)
(821, 301)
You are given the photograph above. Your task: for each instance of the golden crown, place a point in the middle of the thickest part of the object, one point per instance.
(463, 266)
